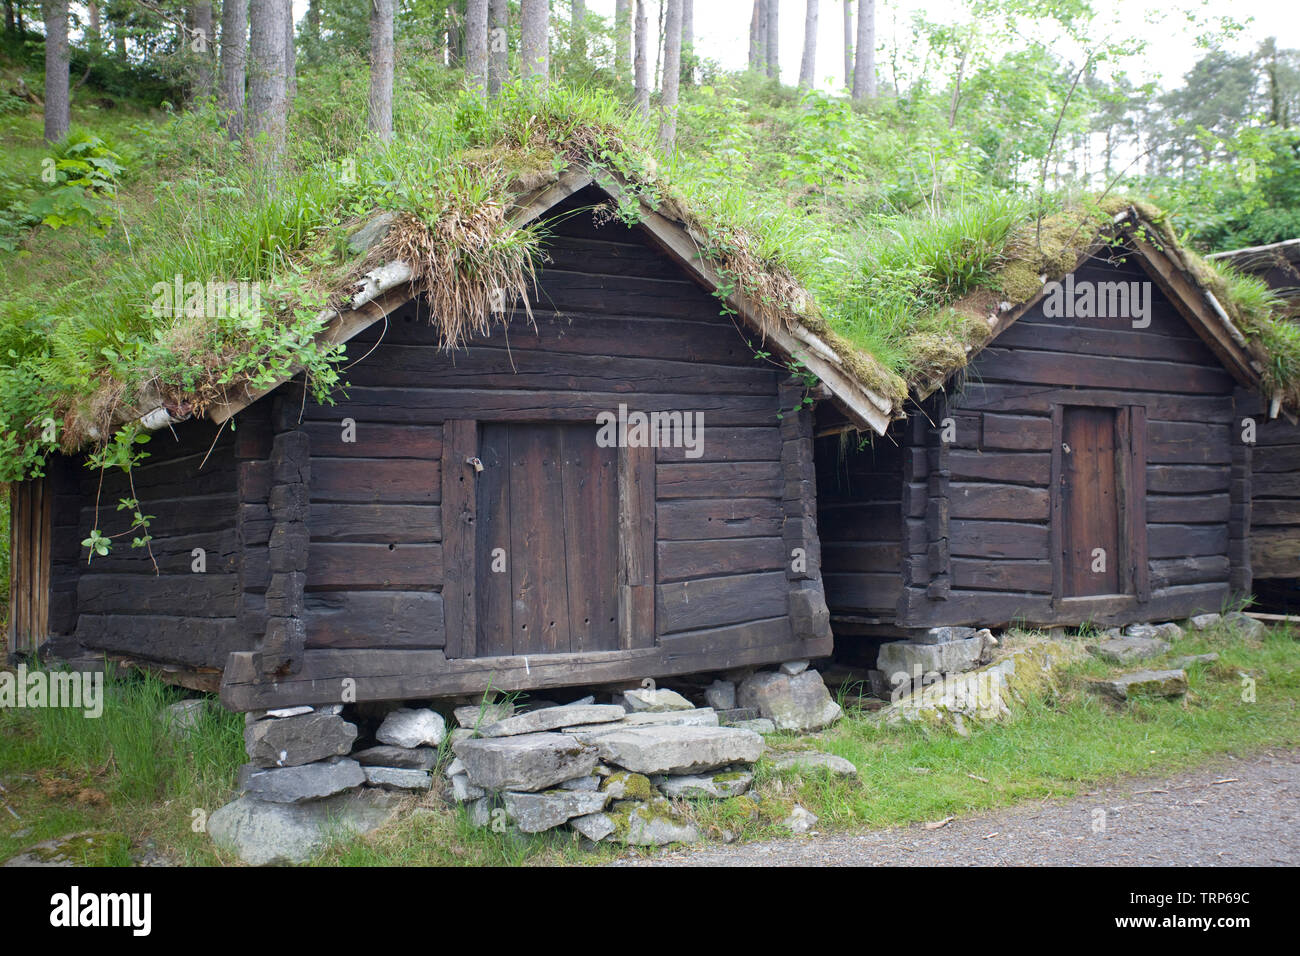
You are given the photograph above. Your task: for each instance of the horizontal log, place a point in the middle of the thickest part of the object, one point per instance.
(377, 619)
(993, 609)
(1000, 575)
(186, 594)
(1160, 405)
(1200, 570)
(997, 539)
(374, 567)
(1187, 443)
(684, 560)
(1178, 540)
(1020, 468)
(1022, 365)
(389, 524)
(713, 602)
(1016, 432)
(362, 439)
(730, 444)
(376, 481)
(718, 480)
(193, 641)
(995, 502)
(1187, 479)
(707, 519)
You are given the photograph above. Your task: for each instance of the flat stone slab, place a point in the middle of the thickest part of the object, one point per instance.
(717, 786)
(535, 812)
(1190, 659)
(703, 717)
(552, 718)
(263, 833)
(530, 762)
(800, 702)
(676, 750)
(303, 739)
(914, 659)
(1126, 650)
(1171, 683)
(313, 781)
(1204, 622)
(655, 701)
(480, 715)
(944, 635)
(407, 758)
(595, 827)
(734, 715)
(814, 760)
(398, 778)
(760, 725)
(411, 728)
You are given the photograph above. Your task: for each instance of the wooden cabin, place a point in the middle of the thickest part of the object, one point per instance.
(1275, 480)
(455, 522)
(1078, 469)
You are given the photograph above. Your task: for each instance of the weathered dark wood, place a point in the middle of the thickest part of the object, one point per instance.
(638, 519)
(689, 605)
(380, 619)
(459, 511)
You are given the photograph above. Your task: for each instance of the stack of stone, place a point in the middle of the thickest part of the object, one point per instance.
(609, 770)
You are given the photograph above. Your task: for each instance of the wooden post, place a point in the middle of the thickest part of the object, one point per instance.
(459, 536)
(287, 504)
(810, 618)
(636, 547)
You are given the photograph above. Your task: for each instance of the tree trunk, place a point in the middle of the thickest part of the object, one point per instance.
(622, 40)
(808, 65)
(659, 46)
(57, 118)
(201, 47)
(234, 53)
(290, 57)
(578, 28)
(534, 24)
(94, 34)
(641, 92)
(476, 45)
(498, 45)
(380, 115)
(758, 37)
(10, 24)
(864, 72)
(672, 74)
(848, 44)
(268, 103)
(773, 39)
(688, 41)
(312, 33)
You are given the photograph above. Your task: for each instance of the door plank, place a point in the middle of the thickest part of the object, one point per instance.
(539, 576)
(590, 480)
(1090, 504)
(494, 627)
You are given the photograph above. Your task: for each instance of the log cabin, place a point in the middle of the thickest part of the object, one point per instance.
(1085, 465)
(460, 521)
(1275, 482)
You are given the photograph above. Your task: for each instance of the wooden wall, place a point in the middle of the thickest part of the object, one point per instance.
(174, 614)
(388, 584)
(976, 512)
(1275, 499)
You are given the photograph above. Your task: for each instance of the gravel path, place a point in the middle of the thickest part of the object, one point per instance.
(1234, 812)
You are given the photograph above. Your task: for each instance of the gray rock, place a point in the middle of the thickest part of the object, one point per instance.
(734, 714)
(551, 718)
(595, 827)
(944, 635)
(800, 703)
(313, 781)
(410, 728)
(721, 695)
(418, 758)
(671, 750)
(371, 233)
(582, 783)
(293, 741)
(1204, 622)
(1126, 650)
(791, 668)
(481, 715)
(462, 791)
(656, 823)
(914, 660)
(459, 734)
(655, 701)
(263, 833)
(1245, 625)
(530, 763)
(814, 760)
(1141, 630)
(182, 718)
(398, 778)
(1168, 631)
(718, 786)
(801, 820)
(535, 812)
(703, 717)
(760, 725)
(1190, 659)
(1170, 683)
(628, 786)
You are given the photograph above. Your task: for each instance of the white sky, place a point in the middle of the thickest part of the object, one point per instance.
(722, 29)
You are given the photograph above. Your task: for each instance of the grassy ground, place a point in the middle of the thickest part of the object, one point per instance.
(123, 777)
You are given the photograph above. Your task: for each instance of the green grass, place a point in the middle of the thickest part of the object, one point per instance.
(121, 777)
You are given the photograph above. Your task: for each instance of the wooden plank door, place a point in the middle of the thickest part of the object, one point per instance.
(546, 541)
(29, 568)
(1089, 512)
